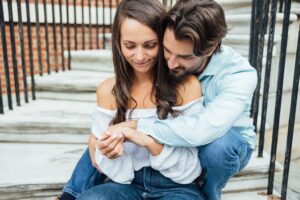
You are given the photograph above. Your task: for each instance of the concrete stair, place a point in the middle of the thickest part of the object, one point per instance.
(92, 60)
(53, 164)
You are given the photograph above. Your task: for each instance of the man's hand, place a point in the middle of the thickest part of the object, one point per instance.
(119, 127)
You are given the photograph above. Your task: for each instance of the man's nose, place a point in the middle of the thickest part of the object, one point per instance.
(172, 62)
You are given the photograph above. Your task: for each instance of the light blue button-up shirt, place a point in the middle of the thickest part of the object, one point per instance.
(228, 83)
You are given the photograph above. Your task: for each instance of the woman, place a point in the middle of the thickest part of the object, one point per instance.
(140, 88)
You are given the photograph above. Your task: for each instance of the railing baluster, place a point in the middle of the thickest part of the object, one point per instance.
(75, 24)
(61, 36)
(5, 57)
(68, 36)
(82, 25)
(262, 31)
(103, 24)
(252, 30)
(13, 51)
(90, 23)
(54, 36)
(97, 25)
(38, 35)
(46, 36)
(289, 142)
(280, 6)
(23, 62)
(30, 49)
(282, 58)
(266, 94)
(255, 100)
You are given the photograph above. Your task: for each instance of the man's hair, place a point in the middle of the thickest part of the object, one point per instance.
(200, 21)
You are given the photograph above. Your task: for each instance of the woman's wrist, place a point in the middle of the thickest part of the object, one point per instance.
(153, 146)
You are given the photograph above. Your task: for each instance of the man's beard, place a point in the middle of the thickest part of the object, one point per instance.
(181, 73)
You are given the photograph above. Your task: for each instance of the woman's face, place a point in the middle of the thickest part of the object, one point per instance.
(139, 45)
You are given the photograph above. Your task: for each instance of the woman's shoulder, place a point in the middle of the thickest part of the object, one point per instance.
(190, 89)
(105, 96)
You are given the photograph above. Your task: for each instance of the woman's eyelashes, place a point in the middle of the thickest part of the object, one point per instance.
(151, 45)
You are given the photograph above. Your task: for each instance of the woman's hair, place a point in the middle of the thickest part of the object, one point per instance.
(149, 13)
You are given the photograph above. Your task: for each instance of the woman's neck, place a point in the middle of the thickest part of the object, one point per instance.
(142, 79)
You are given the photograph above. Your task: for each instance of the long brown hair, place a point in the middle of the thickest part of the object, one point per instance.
(147, 12)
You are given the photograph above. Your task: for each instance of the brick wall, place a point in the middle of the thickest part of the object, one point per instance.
(43, 52)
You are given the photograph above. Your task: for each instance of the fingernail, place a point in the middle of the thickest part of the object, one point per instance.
(115, 136)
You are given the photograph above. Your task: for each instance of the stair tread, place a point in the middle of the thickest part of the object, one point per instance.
(71, 81)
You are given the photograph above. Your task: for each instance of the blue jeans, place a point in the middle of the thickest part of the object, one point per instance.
(220, 160)
(84, 176)
(147, 184)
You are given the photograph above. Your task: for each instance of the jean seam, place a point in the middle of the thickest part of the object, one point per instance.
(71, 191)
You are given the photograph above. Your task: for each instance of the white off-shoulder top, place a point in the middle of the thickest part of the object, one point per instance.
(181, 164)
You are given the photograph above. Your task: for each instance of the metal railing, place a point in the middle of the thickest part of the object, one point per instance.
(45, 54)
(258, 33)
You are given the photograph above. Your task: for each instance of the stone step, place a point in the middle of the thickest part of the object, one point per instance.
(71, 81)
(251, 195)
(36, 171)
(253, 177)
(48, 121)
(240, 23)
(82, 96)
(241, 42)
(40, 170)
(234, 7)
(92, 60)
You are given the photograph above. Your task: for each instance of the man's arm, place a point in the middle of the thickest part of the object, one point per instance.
(235, 93)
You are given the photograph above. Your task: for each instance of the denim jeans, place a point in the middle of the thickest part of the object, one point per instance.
(220, 160)
(84, 176)
(147, 184)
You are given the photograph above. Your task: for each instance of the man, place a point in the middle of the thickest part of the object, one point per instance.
(193, 32)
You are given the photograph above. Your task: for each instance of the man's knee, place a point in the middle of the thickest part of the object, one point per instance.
(224, 151)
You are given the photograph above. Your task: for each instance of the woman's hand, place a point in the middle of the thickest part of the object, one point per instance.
(111, 144)
(143, 140)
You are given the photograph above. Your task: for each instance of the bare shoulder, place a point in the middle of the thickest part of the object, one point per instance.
(105, 97)
(189, 89)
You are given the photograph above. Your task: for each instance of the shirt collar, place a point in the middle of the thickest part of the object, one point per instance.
(214, 65)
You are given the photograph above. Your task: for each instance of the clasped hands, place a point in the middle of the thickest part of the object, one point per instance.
(110, 143)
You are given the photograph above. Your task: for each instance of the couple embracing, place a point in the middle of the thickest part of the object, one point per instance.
(174, 122)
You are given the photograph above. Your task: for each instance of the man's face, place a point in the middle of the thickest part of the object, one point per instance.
(180, 57)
